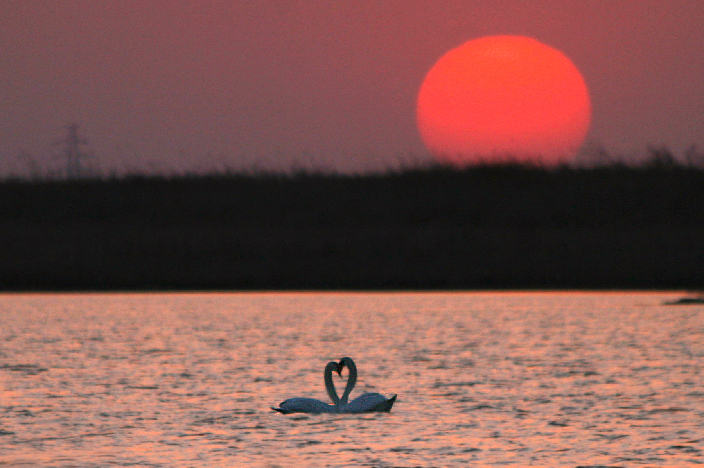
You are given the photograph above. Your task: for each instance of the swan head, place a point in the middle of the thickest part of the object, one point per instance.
(346, 361)
(333, 366)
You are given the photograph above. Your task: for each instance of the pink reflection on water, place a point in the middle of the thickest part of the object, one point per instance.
(489, 378)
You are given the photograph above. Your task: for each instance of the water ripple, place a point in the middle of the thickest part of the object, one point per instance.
(569, 379)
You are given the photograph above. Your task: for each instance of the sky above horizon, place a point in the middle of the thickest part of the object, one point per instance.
(189, 85)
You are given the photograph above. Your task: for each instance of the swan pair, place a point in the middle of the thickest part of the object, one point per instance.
(367, 403)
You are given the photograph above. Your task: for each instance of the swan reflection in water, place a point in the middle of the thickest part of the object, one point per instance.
(366, 403)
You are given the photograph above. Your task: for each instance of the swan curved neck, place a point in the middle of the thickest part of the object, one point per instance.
(329, 384)
(351, 380)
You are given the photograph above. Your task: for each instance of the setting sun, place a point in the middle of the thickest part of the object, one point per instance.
(502, 98)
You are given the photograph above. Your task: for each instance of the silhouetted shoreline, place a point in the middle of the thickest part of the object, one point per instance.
(437, 228)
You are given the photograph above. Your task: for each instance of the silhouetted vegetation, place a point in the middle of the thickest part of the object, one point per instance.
(484, 227)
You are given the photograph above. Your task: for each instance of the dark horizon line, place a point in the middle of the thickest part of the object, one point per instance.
(660, 160)
(438, 228)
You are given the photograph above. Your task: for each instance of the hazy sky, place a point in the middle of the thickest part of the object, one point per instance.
(183, 84)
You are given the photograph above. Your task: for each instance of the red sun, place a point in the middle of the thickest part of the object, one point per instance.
(503, 98)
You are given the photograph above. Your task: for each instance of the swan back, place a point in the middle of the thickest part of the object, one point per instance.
(304, 405)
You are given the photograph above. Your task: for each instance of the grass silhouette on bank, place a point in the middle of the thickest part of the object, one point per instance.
(483, 227)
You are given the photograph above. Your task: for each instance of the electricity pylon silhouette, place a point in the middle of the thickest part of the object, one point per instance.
(72, 152)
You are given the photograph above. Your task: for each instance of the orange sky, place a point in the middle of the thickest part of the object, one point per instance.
(193, 84)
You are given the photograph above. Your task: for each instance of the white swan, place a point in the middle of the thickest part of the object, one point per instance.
(367, 402)
(311, 405)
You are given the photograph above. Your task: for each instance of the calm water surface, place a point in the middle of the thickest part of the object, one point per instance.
(487, 378)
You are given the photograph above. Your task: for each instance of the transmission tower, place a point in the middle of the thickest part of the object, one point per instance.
(72, 152)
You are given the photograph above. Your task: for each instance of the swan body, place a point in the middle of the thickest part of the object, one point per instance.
(311, 405)
(366, 403)
(369, 402)
(305, 405)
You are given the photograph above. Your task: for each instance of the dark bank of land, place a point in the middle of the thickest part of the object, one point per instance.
(486, 227)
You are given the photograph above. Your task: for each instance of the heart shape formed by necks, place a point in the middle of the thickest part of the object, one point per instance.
(366, 403)
(330, 385)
